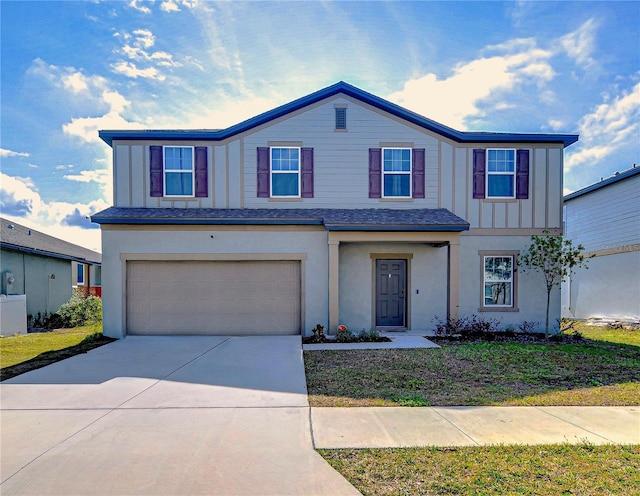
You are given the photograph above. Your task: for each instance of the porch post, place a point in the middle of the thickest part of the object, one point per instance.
(454, 277)
(334, 300)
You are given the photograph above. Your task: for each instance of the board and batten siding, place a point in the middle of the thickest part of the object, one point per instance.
(605, 218)
(341, 169)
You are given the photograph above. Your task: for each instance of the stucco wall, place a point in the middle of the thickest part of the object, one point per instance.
(532, 293)
(609, 289)
(426, 283)
(200, 243)
(33, 278)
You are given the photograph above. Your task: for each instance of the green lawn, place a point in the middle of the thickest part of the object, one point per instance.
(479, 373)
(24, 352)
(604, 333)
(492, 470)
(605, 371)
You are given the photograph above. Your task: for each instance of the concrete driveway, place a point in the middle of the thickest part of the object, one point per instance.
(165, 415)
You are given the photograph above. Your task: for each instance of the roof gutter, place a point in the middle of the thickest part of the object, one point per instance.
(43, 253)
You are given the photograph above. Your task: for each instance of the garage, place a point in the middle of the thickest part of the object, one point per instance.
(213, 297)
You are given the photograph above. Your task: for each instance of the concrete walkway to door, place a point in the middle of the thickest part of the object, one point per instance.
(165, 415)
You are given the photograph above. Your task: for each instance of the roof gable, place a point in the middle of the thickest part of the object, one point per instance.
(349, 90)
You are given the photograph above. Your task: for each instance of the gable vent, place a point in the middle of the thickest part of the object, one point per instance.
(341, 118)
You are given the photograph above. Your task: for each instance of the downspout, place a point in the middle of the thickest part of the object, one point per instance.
(448, 281)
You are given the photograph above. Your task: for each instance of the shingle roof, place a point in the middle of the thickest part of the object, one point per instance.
(617, 177)
(14, 236)
(358, 219)
(341, 87)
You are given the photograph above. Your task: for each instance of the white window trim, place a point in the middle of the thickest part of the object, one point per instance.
(409, 173)
(78, 282)
(298, 172)
(514, 280)
(512, 174)
(182, 171)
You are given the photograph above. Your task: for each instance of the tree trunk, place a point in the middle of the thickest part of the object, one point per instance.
(546, 328)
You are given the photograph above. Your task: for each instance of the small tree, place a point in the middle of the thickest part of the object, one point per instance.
(555, 257)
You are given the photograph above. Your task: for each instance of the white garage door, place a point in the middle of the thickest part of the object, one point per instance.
(223, 298)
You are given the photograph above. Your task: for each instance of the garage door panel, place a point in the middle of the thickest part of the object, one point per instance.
(241, 298)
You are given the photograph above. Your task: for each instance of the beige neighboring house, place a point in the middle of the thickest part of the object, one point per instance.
(337, 208)
(45, 268)
(605, 218)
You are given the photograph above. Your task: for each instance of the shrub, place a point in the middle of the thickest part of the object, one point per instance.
(317, 337)
(528, 327)
(80, 311)
(344, 335)
(370, 336)
(467, 327)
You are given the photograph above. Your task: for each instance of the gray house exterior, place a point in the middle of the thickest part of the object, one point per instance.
(337, 208)
(45, 268)
(605, 218)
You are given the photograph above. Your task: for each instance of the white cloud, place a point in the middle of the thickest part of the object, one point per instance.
(87, 127)
(169, 6)
(129, 69)
(453, 99)
(556, 124)
(135, 4)
(100, 176)
(136, 48)
(10, 153)
(612, 125)
(144, 38)
(64, 167)
(76, 81)
(20, 202)
(579, 44)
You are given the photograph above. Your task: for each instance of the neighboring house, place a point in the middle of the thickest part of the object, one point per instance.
(337, 208)
(605, 219)
(45, 268)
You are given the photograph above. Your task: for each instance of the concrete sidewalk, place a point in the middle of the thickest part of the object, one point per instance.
(388, 427)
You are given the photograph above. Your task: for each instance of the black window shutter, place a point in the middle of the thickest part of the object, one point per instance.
(201, 172)
(418, 173)
(479, 166)
(307, 173)
(263, 172)
(522, 174)
(156, 180)
(375, 172)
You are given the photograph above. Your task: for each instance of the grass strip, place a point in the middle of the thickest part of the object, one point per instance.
(25, 352)
(528, 470)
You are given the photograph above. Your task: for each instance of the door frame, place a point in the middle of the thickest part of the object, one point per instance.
(406, 257)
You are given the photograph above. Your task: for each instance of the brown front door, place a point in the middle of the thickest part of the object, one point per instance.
(391, 290)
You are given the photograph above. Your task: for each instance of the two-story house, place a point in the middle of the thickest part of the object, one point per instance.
(337, 208)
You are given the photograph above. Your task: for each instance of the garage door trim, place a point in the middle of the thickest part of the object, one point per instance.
(214, 257)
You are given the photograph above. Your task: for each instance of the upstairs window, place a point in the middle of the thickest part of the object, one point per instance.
(501, 173)
(396, 172)
(285, 172)
(178, 171)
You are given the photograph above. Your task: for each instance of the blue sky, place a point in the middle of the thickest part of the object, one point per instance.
(72, 68)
